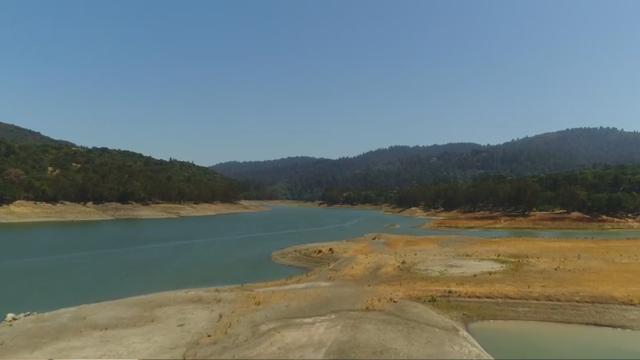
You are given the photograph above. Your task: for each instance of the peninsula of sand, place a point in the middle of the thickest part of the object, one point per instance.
(27, 211)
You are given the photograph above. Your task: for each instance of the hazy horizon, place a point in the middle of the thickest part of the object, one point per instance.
(210, 82)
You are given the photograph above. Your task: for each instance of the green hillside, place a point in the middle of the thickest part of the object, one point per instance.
(19, 135)
(35, 167)
(401, 167)
(611, 190)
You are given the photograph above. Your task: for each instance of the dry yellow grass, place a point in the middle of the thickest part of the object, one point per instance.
(597, 271)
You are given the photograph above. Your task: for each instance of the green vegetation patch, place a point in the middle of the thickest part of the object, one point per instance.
(54, 172)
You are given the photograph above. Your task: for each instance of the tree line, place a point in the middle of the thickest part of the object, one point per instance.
(54, 172)
(610, 190)
(404, 167)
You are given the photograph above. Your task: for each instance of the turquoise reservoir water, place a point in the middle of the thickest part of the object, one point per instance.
(544, 340)
(45, 266)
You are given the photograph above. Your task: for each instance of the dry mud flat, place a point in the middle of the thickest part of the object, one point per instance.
(379, 296)
(27, 211)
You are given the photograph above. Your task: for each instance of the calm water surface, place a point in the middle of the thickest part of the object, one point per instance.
(544, 340)
(45, 266)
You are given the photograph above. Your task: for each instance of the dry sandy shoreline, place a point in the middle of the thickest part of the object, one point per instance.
(308, 316)
(557, 220)
(378, 296)
(550, 220)
(27, 211)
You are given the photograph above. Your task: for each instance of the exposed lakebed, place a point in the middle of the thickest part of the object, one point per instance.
(45, 266)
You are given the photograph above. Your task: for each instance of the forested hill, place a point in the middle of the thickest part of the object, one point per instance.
(400, 167)
(34, 168)
(610, 190)
(19, 135)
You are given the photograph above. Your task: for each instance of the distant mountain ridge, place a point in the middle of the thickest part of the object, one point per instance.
(399, 167)
(19, 135)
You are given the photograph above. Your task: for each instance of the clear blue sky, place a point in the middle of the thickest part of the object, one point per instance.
(210, 81)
